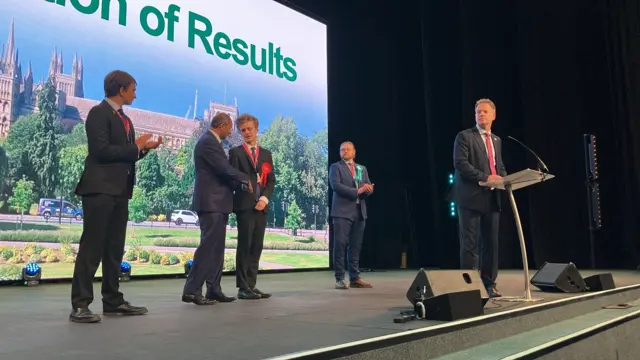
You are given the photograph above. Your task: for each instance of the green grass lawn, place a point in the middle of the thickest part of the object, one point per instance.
(295, 260)
(10, 226)
(59, 260)
(163, 237)
(146, 236)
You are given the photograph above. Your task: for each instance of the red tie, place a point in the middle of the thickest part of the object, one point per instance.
(492, 162)
(353, 172)
(122, 116)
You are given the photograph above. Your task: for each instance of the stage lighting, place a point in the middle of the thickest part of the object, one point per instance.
(187, 267)
(593, 191)
(593, 188)
(125, 271)
(452, 205)
(31, 274)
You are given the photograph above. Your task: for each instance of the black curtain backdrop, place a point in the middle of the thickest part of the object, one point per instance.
(403, 79)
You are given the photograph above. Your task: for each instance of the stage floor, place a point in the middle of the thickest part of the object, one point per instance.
(306, 312)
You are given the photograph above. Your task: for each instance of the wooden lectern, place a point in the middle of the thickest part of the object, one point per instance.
(510, 183)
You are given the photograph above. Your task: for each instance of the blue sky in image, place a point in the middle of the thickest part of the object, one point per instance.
(169, 73)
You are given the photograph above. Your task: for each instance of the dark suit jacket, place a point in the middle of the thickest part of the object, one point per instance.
(240, 159)
(472, 166)
(345, 191)
(109, 167)
(215, 177)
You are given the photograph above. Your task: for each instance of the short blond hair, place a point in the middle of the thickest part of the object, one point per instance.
(247, 117)
(485, 101)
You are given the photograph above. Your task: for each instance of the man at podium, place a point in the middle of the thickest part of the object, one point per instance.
(477, 157)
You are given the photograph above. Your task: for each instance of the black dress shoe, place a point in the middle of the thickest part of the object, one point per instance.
(125, 309)
(246, 294)
(220, 297)
(198, 300)
(263, 295)
(84, 315)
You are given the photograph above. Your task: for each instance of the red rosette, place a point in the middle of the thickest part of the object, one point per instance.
(265, 170)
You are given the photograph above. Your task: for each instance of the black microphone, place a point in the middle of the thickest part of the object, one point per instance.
(540, 162)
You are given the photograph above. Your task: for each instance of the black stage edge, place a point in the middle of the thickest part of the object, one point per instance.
(305, 313)
(573, 340)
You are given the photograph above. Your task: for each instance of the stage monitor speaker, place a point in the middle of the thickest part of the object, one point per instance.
(431, 283)
(555, 277)
(600, 282)
(454, 306)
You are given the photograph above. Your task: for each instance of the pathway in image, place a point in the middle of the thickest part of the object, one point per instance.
(273, 266)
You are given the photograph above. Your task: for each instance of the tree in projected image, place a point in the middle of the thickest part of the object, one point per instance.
(43, 149)
(4, 171)
(71, 167)
(22, 196)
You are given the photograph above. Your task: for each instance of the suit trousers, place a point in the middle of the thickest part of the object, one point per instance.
(103, 238)
(347, 240)
(251, 228)
(208, 260)
(479, 243)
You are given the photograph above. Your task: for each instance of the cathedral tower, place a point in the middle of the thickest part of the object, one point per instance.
(10, 81)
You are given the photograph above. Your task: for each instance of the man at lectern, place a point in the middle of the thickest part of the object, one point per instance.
(477, 157)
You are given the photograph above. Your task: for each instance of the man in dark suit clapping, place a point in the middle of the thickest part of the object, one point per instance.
(213, 201)
(106, 185)
(477, 157)
(251, 209)
(351, 187)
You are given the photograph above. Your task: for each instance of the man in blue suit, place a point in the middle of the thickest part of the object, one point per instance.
(213, 201)
(351, 187)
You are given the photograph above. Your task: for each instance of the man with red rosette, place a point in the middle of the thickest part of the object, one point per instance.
(251, 209)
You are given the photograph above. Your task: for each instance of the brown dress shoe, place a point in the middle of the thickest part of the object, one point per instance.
(493, 292)
(360, 284)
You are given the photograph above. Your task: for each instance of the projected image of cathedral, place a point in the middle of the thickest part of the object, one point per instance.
(18, 97)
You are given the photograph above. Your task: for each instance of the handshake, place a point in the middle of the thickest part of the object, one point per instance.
(143, 143)
(246, 186)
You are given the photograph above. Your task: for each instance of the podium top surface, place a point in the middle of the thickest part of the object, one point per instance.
(520, 179)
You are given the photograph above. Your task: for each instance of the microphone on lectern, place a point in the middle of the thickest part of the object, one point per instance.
(541, 165)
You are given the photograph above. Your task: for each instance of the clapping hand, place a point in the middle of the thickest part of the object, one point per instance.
(366, 188)
(142, 140)
(153, 144)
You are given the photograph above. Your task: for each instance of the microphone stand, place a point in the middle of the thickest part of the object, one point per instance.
(541, 165)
